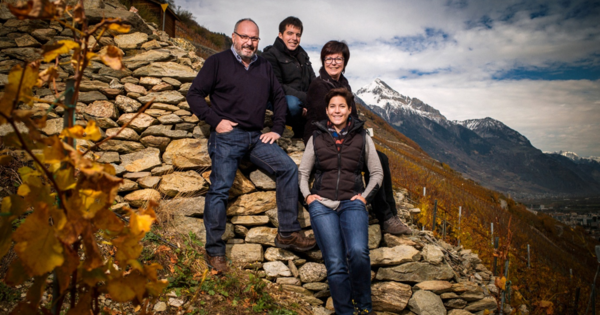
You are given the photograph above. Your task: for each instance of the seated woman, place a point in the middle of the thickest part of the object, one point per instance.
(334, 58)
(337, 152)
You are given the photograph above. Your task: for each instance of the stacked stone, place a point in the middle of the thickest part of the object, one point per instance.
(162, 156)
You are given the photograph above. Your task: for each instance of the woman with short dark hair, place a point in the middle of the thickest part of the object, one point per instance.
(337, 152)
(334, 57)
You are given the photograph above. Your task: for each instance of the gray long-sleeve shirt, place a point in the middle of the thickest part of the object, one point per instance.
(308, 162)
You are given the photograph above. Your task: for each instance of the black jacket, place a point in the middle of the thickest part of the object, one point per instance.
(338, 173)
(294, 73)
(316, 100)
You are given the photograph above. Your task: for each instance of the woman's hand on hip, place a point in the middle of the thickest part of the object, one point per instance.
(359, 197)
(312, 198)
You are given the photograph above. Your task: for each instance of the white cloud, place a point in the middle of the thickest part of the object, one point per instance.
(470, 43)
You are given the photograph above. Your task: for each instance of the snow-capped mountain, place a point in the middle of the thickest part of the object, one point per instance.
(491, 128)
(485, 150)
(575, 157)
(378, 93)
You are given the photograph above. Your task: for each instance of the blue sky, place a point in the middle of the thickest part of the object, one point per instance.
(534, 65)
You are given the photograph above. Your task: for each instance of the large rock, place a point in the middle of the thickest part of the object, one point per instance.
(140, 123)
(139, 198)
(160, 143)
(27, 41)
(262, 180)
(459, 312)
(125, 134)
(131, 41)
(241, 185)
(147, 57)
(169, 97)
(246, 253)
(374, 236)
(435, 286)
(426, 303)
(103, 109)
(184, 225)
(274, 253)
(149, 181)
(276, 269)
(312, 272)
(432, 254)
(187, 153)
(166, 69)
(390, 296)
(261, 235)
(303, 217)
(92, 96)
(121, 146)
(386, 256)
(141, 160)
(488, 303)
(393, 240)
(415, 272)
(95, 16)
(182, 184)
(253, 203)
(250, 220)
(25, 54)
(53, 127)
(189, 206)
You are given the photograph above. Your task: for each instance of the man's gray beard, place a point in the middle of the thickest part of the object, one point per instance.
(239, 52)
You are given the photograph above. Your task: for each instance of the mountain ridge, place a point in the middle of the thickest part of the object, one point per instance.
(485, 150)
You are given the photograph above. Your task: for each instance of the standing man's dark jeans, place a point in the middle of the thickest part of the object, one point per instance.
(383, 204)
(226, 150)
(343, 237)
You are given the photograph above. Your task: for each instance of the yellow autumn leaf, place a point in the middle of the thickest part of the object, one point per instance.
(47, 75)
(91, 132)
(121, 28)
(140, 224)
(112, 57)
(60, 47)
(54, 152)
(65, 178)
(92, 202)
(128, 247)
(501, 283)
(20, 84)
(155, 288)
(34, 9)
(120, 290)
(36, 244)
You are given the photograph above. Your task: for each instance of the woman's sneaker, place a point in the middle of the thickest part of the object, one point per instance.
(394, 226)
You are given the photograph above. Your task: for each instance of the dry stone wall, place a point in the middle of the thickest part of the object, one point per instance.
(162, 156)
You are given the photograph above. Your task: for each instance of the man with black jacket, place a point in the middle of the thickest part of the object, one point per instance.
(293, 70)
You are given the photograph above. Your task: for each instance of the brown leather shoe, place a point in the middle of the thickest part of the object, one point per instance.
(296, 242)
(219, 263)
(394, 226)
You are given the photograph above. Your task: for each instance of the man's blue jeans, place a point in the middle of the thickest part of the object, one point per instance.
(294, 107)
(343, 236)
(226, 150)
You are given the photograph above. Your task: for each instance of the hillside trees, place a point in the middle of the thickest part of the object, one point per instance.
(542, 286)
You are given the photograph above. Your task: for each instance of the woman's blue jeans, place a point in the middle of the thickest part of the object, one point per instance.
(343, 236)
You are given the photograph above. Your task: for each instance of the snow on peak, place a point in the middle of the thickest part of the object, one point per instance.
(378, 93)
(486, 122)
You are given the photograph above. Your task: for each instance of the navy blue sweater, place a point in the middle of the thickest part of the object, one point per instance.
(237, 94)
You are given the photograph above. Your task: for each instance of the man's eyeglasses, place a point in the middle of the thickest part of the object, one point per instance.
(246, 37)
(333, 60)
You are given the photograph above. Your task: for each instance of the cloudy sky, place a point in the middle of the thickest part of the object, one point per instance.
(534, 65)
